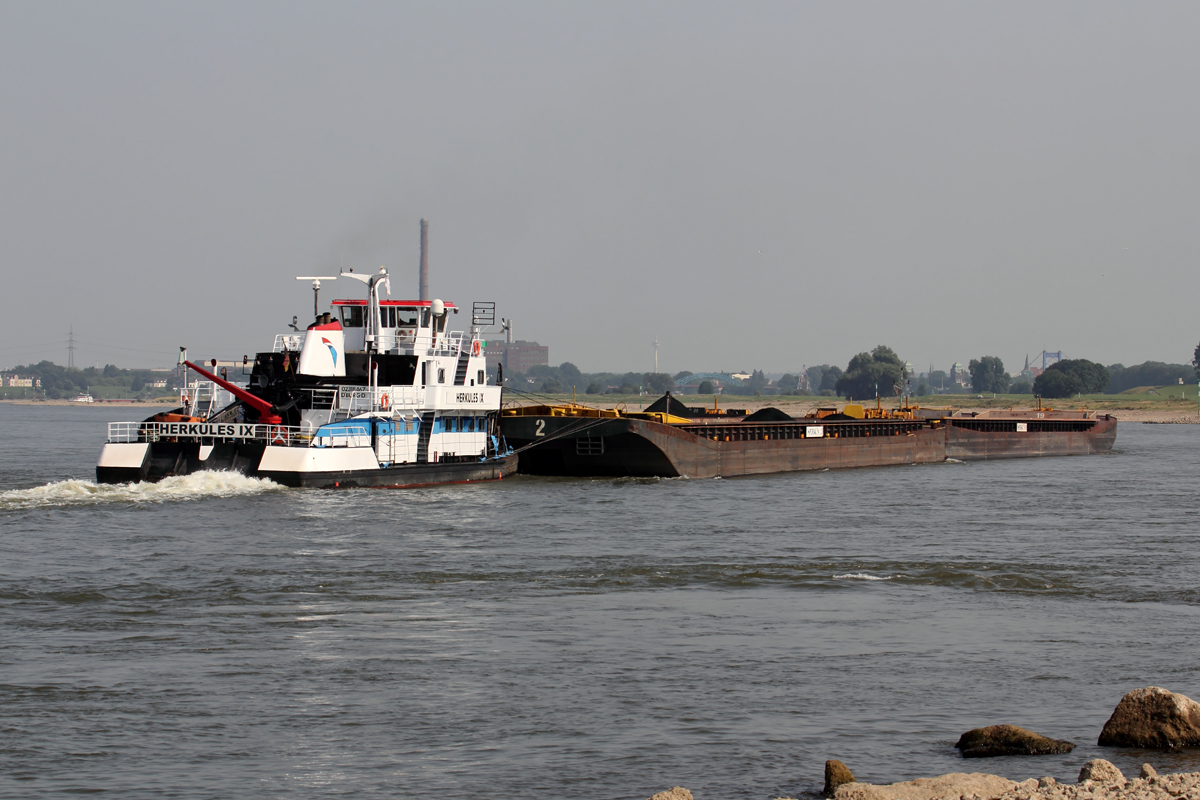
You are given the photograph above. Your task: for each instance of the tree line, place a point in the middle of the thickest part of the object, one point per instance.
(880, 371)
(60, 382)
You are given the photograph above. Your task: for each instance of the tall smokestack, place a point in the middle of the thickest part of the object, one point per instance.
(424, 260)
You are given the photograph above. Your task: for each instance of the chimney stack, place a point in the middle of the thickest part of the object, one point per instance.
(424, 287)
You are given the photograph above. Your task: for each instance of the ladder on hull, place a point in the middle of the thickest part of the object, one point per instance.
(423, 437)
(460, 373)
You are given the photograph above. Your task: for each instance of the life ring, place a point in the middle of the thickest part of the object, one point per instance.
(475, 347)
(278, 434)
(383, 402)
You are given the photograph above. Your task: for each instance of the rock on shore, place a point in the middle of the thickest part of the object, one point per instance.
(1153, 718)
(836, 773)
(1009, 740)
(674, 793)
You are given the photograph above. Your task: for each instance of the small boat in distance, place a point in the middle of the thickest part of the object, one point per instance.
(375, 393)
(83, 397)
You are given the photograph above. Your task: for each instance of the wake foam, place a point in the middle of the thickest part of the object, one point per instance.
(178, 488)
(860, 576)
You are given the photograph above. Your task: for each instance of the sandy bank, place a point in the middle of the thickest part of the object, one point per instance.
(1099, 780)
(1171, 417)
(1107, 784)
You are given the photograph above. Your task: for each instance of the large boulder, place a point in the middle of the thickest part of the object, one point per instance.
(1153, 718)
(1009, 740)
(836, 773)
(944, 787)
(674, 793)
(1100, 771)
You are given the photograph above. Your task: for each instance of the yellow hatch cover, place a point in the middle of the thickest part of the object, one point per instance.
(560, 411)
(659, 416)
(596, 413)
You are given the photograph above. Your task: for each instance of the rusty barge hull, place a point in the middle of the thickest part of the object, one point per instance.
(625, 447)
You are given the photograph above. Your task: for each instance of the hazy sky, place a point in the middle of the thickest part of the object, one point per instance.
(759, 185)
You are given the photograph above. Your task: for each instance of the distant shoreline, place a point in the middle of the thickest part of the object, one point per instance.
(795, 405)
(22, 401)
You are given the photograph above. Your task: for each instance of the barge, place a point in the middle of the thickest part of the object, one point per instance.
(376, 393)
(669, 439)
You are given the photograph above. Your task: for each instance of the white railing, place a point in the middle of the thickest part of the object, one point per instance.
(362, 399)
(287, 341)
(450, 343)
(388, 339)
(208, 432)
(343, 436)
(204, 398)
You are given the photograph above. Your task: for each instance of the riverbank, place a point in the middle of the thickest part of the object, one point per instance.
(160, 401)
(1106, 783)
(1098, 780)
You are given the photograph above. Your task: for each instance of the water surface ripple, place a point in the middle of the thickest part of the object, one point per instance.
(214, 636)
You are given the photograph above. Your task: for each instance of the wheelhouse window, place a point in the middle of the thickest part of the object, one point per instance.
(352, 316)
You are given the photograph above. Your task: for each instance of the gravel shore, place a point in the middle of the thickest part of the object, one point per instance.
(1162, 417)
(1105, 783)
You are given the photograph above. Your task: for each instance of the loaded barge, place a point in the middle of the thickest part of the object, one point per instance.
(669, 439)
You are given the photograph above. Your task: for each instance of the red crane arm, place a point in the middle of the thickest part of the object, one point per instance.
(265, 409)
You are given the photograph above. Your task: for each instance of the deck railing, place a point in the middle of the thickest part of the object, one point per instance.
(214, 432)
(287, 341)
(450, 343)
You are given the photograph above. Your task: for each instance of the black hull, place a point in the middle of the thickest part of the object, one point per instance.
(165, 459)
(405, 476)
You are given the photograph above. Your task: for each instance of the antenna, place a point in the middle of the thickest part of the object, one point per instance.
(316, 288)
(71, 348)
(656, 355)
(423, 276)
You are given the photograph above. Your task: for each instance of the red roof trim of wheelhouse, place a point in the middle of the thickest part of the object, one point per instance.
(406, 303)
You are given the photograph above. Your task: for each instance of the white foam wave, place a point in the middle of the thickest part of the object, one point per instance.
(195, 486)
(860, 576)
(953, 461)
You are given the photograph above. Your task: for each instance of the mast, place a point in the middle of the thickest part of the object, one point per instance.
(424, 274)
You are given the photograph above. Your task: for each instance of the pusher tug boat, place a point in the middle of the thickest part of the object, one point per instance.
(378, 393)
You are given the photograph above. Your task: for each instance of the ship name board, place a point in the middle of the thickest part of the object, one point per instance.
(814, 431)
(469, 397)
(225, 430)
